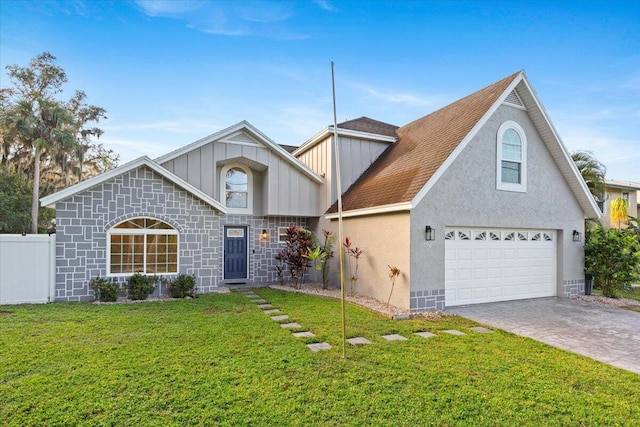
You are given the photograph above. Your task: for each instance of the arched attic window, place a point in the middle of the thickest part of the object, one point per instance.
(511, 161)
(237, 188)
(142, 245)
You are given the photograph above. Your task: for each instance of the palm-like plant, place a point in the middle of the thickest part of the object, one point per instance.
(619, 212)
(592, 171)
(44, 125)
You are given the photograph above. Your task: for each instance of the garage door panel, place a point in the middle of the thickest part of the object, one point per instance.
(493, 268)
(480, 273)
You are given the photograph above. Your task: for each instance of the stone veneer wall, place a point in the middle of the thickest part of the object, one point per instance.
(82, 222)
(426, 300)
(573, 287)
(434, 299)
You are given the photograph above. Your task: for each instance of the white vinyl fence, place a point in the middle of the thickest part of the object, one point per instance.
(27, 268)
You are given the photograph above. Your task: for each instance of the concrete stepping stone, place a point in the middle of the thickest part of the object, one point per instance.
(481, 330)
(317, 346)
(453, 332)
(424, 334)
(293, 325)
(259, 301)
(359, 341)
(264, 306)
(279, 318)
(272, 311)
(304, 334)
(394, 337)
(252, 296)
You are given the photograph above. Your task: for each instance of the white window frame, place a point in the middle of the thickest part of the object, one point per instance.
(509, 186)
(223, 188)
(282, 233)
(142, 231)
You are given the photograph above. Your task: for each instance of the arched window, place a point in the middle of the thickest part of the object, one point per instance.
(142, 245)
(236, 188)
(511, 162)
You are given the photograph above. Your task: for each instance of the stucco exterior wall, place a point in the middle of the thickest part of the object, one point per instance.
(84, 219)
(466, 195)
(385, 242)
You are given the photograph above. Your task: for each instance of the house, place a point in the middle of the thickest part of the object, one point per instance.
(626, 190)
(476, 202)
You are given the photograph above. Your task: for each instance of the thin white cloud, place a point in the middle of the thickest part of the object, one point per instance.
(168, 7)
(615, 152)
(325, 5)
(177, 126)
(252, 18)
(132, 148)
(398, 98)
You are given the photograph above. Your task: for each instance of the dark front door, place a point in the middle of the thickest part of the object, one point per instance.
(235, 253)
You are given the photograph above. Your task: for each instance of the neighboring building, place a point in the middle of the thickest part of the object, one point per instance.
(627, 190)
(476, 202)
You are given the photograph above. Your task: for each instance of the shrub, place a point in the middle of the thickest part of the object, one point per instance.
(182, 286)
(355, 253)
(612, 257)
(294, 256)
(105, 289)
(140, 286)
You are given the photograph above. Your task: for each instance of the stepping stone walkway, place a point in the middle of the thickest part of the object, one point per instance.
(425, 334)
(359, 340)
(394, 337)
(269, 309)
(292, 325)
(319, 346)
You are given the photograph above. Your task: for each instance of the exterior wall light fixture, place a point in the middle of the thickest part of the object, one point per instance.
(264, 236)
(430, 233)
(577, 236)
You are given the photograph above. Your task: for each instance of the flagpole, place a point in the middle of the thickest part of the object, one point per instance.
(336, 151)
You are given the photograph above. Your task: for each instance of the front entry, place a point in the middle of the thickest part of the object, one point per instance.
(235, 253)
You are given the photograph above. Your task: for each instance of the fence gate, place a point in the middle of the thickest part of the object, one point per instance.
(27, 268)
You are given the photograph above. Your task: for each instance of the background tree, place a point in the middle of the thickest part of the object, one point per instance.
(15, 200)
(593, 172)
(46, 140)
(618, 212)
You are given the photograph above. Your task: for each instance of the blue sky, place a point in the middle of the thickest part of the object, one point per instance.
(171, 72)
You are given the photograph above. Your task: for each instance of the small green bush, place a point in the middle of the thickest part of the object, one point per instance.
(140, 286)
(182, 286)
(105, 288)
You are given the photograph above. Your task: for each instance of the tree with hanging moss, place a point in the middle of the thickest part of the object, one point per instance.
(612, 257)
(45, 139)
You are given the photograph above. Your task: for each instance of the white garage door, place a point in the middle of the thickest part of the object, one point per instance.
(488, 265)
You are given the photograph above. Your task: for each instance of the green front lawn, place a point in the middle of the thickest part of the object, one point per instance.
(218, 360)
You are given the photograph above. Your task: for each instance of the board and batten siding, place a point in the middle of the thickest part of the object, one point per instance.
(279, 188)
(356, 155)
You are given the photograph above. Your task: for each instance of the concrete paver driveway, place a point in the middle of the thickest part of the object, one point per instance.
(607, 334)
